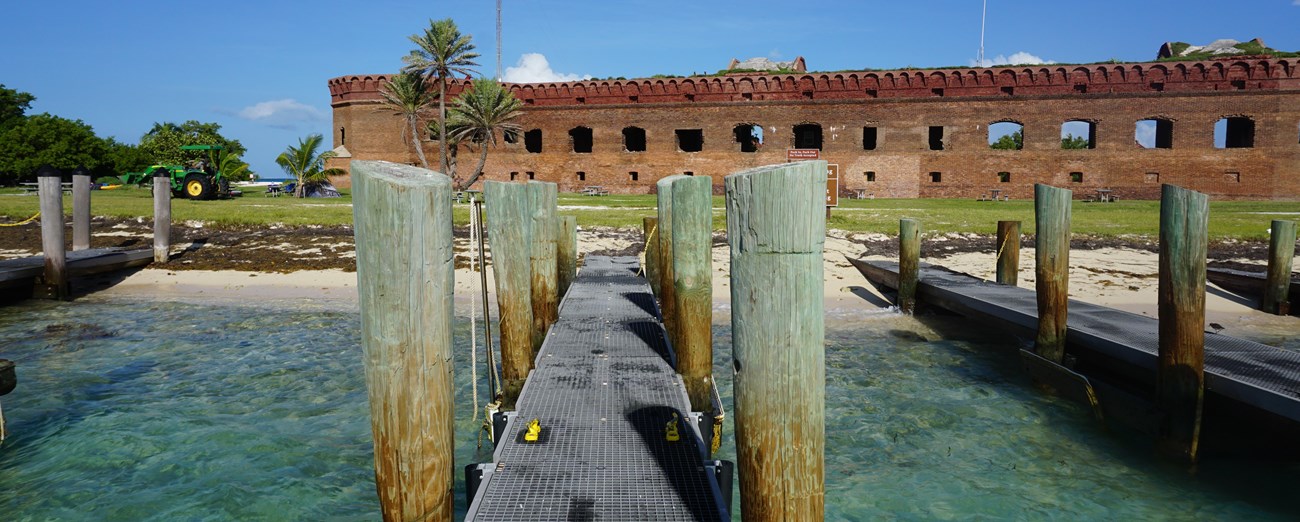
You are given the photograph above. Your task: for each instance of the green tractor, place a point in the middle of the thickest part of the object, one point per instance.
(200, 180)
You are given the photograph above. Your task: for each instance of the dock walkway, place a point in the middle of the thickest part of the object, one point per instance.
(604, 390)
(25, 270)
(1253, 373)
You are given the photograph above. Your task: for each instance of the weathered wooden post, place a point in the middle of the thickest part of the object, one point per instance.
(1180, 380)
(650, 230)
(693, 286)
(566, 252)
(667, 301)
(545, 269)
(1052, 268)
(405, 274)
(1281, 253)
(54, 282)
(909, 263)
(162, 216)
(80, 209)
(1008, 253)
(776, 229)
(509, 219)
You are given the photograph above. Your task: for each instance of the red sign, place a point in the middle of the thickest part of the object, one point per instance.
(832, 185)
(802, 154)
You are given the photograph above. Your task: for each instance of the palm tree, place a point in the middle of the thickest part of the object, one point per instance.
(440, 53)
(408, 95)
(480, 112)
(305, 165)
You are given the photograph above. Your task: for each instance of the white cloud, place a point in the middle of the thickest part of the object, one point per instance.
(533, 68)
(1020, 58)
(281, 113)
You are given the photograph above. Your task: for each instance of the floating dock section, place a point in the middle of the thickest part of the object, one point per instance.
(605, 396)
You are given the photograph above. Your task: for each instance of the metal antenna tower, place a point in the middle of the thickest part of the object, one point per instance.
(978, 60)
(499, 40)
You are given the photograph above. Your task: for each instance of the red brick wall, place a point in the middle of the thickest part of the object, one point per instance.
(902, 105)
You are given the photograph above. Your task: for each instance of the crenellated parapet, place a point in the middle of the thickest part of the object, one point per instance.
(1236, 74)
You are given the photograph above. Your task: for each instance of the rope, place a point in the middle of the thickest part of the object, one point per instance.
(473, 326)
(646, 248)
(23, 222)
(2, 425)
(1003, 246)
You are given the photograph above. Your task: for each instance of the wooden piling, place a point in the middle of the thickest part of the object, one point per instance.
(405, 271)
(776, 229)
(1008, 253)
(1180, 379)
(693, 286)
(162, 216)
(650, 231)
(509, 219)
(80, 209)
(54, 282)
(566, 252)
(667, 299)
(1052, 269)
(909, 263)
(545, 270)
(1281, 253)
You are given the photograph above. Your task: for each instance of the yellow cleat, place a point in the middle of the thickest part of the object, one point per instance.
(534, 430)
(670, 431)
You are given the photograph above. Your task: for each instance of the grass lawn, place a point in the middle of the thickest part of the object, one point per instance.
(1228, 219)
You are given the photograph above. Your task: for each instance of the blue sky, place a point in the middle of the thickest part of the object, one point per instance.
(259, 67)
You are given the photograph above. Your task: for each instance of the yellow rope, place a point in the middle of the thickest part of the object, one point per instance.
(646, 248)
(23, 222)
(1003, 246)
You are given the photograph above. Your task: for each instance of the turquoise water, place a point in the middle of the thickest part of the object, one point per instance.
(144, 410)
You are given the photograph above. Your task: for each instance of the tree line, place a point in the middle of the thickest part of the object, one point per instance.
(28, 141)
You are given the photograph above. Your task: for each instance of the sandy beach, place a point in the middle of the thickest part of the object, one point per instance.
(1116, 275)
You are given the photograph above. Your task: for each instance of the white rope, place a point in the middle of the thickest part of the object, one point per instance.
(473, 326)
(2, 425)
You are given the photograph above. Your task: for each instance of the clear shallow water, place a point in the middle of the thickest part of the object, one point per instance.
(136, 410)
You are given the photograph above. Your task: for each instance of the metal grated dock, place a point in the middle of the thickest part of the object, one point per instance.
(1250, 372)
(604, 390)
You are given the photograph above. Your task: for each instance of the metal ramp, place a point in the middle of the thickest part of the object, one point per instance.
(603, 390)
(1257, 374)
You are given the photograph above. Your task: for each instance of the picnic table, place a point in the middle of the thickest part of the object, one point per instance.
(34, 187)
(273, 191)
(1104, 196)
(594, 190)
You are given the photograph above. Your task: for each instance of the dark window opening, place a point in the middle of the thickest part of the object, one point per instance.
(343, 136)
(1078, 134)
(936, 177)
(936, 138)
(581, 138)
(634, 139)
(1154, 134)
(531, 175)
(632, 175)
(937, 92)
(1004, 177)
(580, 99)
(1076, 177)
(1237, 132)
(808, 136)
(807, 95)
(747, 96)
(872, 93)
(528, 101)
(689, 173)
(632, 98)
(871, 176)
(1006, 135)
(1009, 91)
(1239, 84)
(513, 176)
(869, 137)
(1081, 88)
(533, 141)
(749, 136)
(690, 140)
(510, 136)
(582, 176)
(1158, 86)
